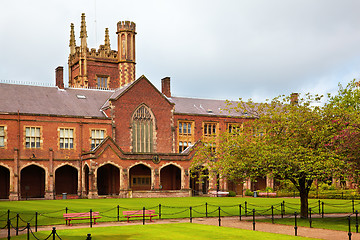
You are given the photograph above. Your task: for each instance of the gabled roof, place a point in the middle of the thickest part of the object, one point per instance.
(122, 90)
(209, 107)
(52, 100)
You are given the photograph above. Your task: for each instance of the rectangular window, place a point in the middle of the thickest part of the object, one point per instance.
(2, 136)
(183, 146)
(210, 129)
(102, 82)
(184, 128)
(32, 137)
(66, 138)
(140, 180)
(234, 128)
(97, 135)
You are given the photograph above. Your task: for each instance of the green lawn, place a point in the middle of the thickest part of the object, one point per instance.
(164, 231)
(50, 211)
(340, 224)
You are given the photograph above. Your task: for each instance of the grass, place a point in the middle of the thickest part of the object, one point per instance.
(50, 211)
(163, 231)
(332, 223)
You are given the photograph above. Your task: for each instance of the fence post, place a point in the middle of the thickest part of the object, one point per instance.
(281, 210)
(88, 237)
(353, 205)
(349, 222)
(310, 221)
(9, 226)
(118, 213)
(240, 212)
(36, 221)
(319, 207)
(206, 209)
(295, 224)
(66, 211)
(219, 217)
(143, 215)
(53, 233)
(356, 221)
(159, 211)
(8, 213)
(322, 209)
(17, 224)
(284, 207)
(245, 209)
(90, 218)
(190, 215)
(28, 230)
(253, 211)
(272, 214)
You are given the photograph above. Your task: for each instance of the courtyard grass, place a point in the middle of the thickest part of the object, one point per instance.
(163, 231)
(50, 212)
(332, 223)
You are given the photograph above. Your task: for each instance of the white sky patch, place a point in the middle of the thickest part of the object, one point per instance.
(211, 49)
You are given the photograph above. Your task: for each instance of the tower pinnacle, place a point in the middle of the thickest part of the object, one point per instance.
(72, 43)
(107, 39)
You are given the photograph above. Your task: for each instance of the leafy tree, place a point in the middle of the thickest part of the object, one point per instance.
(286, 137)
(344, 109)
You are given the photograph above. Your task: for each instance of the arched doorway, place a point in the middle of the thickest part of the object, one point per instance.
(140, 177)
(5, 182)
(108, 180)
(86, 179)
(32, 182)
(66, 180)
(199, 182)
(170, 178)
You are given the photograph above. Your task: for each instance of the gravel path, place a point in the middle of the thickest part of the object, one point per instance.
(226, 222)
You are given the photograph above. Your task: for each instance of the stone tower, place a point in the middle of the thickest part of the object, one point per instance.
(126, 51)
(103, 68)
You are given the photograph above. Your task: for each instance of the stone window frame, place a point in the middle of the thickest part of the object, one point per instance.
(188, 137)
(102, 78)
(3, 135)
(234, 127)
(210, 139)
(143, 130)
(73, 138)
(96, 139)
(144, 177)
(40, 137)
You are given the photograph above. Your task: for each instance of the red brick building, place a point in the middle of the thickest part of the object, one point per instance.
(107, 134)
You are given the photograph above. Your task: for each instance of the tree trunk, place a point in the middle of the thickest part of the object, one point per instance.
(304, 196)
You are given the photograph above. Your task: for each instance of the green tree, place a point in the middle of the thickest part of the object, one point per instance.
(344, 110)
(286, 137)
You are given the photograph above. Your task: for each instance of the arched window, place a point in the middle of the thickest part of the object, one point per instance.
(142, 130)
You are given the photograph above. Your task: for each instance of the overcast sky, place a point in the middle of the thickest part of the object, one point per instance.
(211, 49)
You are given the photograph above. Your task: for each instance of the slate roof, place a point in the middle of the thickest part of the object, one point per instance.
(197, 106)
(29, 99)
(52, 100)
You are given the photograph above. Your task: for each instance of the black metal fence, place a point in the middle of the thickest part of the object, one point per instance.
(244, 211)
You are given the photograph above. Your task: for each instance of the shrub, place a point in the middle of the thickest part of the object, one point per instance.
(232, 194)
(248, 192)
(269, 189)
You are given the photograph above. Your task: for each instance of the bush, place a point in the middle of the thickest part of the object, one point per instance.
(248, 192)
(269, 189)
(232, 194)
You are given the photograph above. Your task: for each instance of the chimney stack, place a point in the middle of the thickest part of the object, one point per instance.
(165, 86)
(294, 98)
(59, 77)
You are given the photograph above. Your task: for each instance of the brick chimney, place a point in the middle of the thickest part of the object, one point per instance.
(165, 86)
(59, 77)
(294, 98)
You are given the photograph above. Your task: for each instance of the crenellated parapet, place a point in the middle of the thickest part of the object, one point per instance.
(123, 26)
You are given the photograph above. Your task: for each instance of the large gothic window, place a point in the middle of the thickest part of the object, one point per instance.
(142, 130)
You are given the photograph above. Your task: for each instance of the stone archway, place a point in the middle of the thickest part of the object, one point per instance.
(86, 179)
(5, 183)
(66, 180)
(32, 182)
(170, 178)
(199, 184)
(108, 180)
(140, 177)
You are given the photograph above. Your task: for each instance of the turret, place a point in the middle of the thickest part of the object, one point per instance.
(126, 51)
